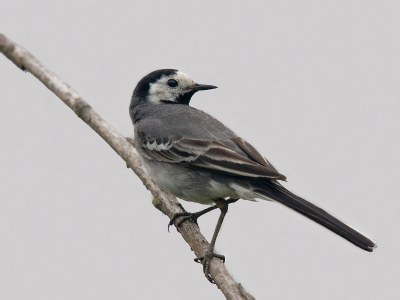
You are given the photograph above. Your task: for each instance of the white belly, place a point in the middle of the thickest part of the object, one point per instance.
(195, 186)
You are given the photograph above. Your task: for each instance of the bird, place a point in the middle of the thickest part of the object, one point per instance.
(196, 158)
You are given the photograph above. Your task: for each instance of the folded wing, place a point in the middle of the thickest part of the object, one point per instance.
(208, 154)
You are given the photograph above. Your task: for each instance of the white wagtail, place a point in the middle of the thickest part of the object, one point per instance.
(195, 157)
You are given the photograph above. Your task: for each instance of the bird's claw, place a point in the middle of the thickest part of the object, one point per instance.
(185, 216)
(205, 260)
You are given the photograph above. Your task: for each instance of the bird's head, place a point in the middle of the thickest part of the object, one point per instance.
(168, 86)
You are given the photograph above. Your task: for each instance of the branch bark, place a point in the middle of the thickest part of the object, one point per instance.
(163, 201)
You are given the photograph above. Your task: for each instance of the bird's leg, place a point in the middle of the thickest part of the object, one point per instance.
(189, 216)
(205, 259)
(193, 216)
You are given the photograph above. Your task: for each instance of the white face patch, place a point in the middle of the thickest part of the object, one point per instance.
(160, 90)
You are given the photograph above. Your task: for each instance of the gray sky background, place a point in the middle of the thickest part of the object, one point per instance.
(314, 85)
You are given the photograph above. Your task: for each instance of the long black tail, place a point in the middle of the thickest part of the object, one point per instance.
(275, 191)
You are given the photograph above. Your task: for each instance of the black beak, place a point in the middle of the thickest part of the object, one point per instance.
(203, 87)
(190, 91)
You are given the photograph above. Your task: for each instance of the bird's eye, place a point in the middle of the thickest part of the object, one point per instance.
(172, 83)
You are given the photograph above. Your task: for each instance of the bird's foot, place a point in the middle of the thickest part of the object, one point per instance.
(194, 216)
(185, 216)
(205, 260)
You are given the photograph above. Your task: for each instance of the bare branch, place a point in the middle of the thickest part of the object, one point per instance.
(163, 201)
